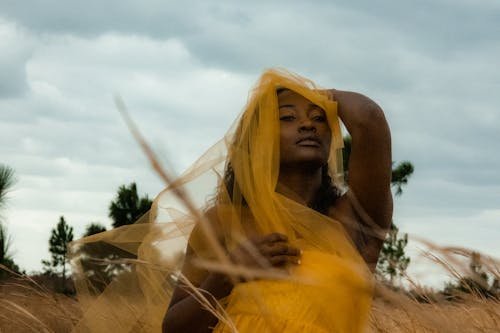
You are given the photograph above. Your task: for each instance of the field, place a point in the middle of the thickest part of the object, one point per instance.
(25, 307)
(394, 312)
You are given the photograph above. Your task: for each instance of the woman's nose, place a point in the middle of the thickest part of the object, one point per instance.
(307, 124)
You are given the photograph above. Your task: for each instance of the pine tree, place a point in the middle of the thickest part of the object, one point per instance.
(128, 207)
(400, 175)
(100, 261)
(94, 228)
(61, 235)
(7, 180)
(392, 260)
(5, 254)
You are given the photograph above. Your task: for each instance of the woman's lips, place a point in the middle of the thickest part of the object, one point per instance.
(308, 142)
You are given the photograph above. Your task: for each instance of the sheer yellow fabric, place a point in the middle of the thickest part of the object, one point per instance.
(329, 292)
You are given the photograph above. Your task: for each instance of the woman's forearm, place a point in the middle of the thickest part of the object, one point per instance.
(188, 315)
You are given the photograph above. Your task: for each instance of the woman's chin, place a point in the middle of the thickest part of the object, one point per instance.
(306, 161)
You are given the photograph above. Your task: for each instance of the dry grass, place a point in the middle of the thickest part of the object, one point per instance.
(395, 312)
(24, 307)
(27, 307)
(471, 317)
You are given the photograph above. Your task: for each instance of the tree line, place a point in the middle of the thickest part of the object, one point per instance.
(126, 208)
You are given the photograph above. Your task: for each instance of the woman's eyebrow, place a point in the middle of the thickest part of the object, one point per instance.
(310, 106)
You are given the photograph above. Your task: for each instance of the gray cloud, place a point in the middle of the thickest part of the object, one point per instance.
(250, 37)
(440, 25)
(16, 47)
(15, 85)
(92, 18)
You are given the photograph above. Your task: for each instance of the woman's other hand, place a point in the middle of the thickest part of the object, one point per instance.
(271, 250)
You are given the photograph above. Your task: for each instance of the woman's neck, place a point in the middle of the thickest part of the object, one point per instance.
(299, 184)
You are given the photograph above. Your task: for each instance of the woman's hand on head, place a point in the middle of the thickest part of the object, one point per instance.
(271, 250)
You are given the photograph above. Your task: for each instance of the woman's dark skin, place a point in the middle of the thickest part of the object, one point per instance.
(304, 145)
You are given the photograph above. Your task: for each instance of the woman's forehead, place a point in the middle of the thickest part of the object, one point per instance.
(289, 95)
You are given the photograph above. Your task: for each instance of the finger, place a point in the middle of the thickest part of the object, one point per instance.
(284, 260)
(274, 237)
(279, 260)
(280, 249)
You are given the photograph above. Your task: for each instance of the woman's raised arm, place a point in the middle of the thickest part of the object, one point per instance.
(370, 163)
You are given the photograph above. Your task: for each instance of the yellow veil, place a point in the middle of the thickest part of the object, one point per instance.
(125, 277)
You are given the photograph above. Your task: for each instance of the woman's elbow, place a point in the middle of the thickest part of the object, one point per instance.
(374, 114)
(372, 125)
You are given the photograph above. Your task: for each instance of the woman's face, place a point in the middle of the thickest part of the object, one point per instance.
(305, 135)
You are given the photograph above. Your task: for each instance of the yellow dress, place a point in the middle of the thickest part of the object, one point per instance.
(327, 294)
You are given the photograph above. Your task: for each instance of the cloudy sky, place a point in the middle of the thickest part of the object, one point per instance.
(184, 70)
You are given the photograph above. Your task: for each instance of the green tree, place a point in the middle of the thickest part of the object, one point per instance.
(127, 207)
(94, 228)
(400, 175)
(392, 262)
(6, 258)
(7, 180)
(92, 257)
(61, 235)
(102, 262)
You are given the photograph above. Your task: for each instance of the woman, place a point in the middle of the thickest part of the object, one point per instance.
(282, 204)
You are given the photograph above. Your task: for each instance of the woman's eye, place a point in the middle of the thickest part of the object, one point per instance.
(319, 118)
(317, 114)
(287, 118)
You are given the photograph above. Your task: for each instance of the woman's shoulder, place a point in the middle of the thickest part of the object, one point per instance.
(207, 223)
